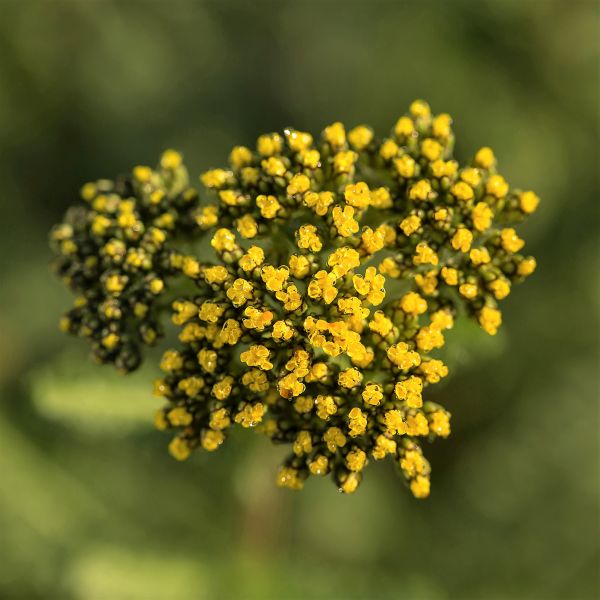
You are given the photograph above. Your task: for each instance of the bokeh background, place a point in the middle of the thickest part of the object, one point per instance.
(91, 505)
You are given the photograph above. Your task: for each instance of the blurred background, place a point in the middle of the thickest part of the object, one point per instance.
(92, 506)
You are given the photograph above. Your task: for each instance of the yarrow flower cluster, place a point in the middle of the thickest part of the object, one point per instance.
(336, 268)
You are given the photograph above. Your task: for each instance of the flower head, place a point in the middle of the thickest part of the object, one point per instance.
(294, 327)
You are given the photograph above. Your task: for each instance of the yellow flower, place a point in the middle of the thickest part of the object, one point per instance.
(334, 438)
(468, 290)
(247, 227)
(434, 370)
(217, 274)
(349, 483)
(409, 390)
(299, 184)
(326, 406)
(257, 356)
(356, 460)
(222, 389)
(440, 126)
(311, 159)
(343, 162)
(482, 216)
(496, 186)
(184, 311)
(394, 423)
(240, 292)
(427, 282)
(442, 319)
(405, 166)
(357, 422)
(485, 158)
(344, 221)
(410, 224)
(425, 255)
(171, 361)
(344, 259)
(256, 380)
(388, 266)
(413, 463)
(416, 424)
(207, 217)
(500, 287)
(257, 319)
(289, 477)
(335, 135)
(349, 378)
(230, 197)
(269, 144)
(298, 140)
(413, 304)
(357, 195)
(462, 191)
(421, 191)
(441, 168)
(207, 359)
(308, 239)
(223, 240)
(441, 214)
(282, 332)
(250, 415)
(420, 109)
(191, 386)
(404, 358)
(383, 446)
(528, 202)
(490, 319)
(291, 298)
(511, 242)
(380, 323)
(211, 440)
(439, 423)
(217, 178)
(179, 448)
(319, 465)
(360, 137)
(210, 311)
(462, 240)
(274, 167)
(302, 444)
(526, 266)
(381, 198)
(253, 258)
(420, 486)
(404, 127)
(250, 175)
(431, 149)
(371, 285)
(274, 278)
(240, 156)
(322, 286)
(471, 176)
(372, 394)
(318, 201)
(428, 338)
(480, 256)
(219, 419)
(389, 149)
(299, 266)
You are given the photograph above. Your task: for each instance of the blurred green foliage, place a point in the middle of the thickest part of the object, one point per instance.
(91, 505)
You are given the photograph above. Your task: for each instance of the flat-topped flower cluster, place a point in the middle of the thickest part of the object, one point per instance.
(335, 268)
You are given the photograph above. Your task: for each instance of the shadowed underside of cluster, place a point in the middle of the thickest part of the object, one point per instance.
(312, 284)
